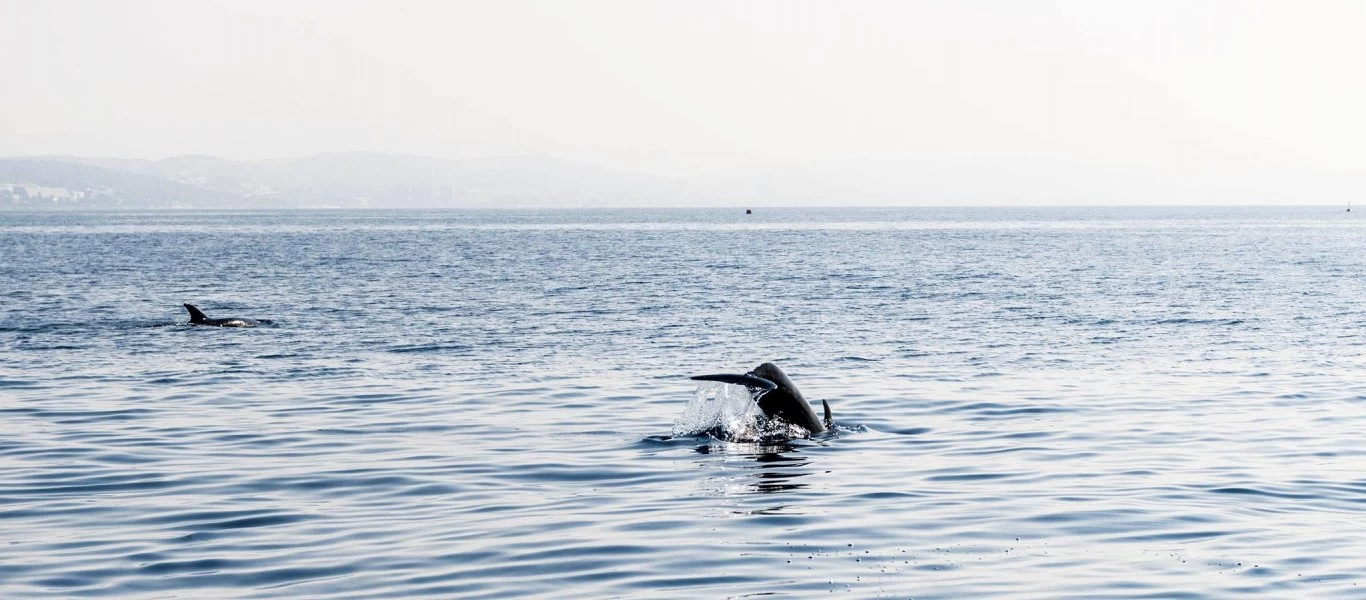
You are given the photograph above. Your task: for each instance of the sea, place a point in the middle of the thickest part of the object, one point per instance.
(1039, 403)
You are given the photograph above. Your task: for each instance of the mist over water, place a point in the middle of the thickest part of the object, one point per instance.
(1030, 403)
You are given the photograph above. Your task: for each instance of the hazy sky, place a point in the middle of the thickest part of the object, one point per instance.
(1211, 91)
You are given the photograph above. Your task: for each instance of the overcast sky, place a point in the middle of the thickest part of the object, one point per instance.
(1210, 91)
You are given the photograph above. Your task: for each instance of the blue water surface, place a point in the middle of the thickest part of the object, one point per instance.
(1031, 403)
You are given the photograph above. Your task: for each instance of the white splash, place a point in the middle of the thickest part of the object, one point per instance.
(724, 410)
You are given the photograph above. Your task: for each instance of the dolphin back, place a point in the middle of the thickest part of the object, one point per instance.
(786, 402)
(197, 317)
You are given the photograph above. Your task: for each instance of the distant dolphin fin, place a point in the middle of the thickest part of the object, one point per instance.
(829, 420)
(195, 315)
(749, 381)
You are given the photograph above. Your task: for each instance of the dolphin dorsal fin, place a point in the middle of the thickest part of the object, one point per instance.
(829, 421)
(195, 315)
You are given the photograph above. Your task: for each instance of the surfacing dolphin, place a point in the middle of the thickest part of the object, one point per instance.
(777, 396)
(197, 317)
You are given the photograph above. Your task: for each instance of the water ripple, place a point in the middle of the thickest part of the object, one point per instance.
(1030, 403)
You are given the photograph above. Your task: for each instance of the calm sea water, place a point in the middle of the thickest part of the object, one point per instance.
(1030, 403)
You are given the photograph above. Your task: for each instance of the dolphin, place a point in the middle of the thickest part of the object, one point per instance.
(777, 396)
(197, 318)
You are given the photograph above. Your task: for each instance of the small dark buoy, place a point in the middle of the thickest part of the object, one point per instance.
(750, 212)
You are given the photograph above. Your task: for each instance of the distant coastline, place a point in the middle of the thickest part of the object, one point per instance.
(368, 180)
(343, 180)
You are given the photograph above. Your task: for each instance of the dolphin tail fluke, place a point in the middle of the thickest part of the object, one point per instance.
(195, 315)
(749, 381)
(829, 420)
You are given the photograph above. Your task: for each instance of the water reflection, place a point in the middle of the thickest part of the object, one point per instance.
(776, 472)
(774, 469)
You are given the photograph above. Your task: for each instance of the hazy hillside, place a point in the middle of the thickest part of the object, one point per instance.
(351, 180)
(55, 184)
